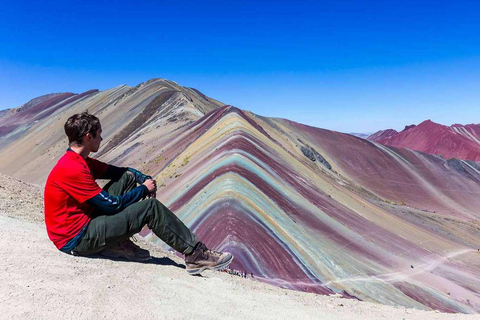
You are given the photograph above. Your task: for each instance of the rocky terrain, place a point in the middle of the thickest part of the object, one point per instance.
(21, 200)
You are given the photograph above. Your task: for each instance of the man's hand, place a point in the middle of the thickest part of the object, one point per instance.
(151, 186)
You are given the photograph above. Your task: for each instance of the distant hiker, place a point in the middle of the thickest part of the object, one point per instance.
(84, 219)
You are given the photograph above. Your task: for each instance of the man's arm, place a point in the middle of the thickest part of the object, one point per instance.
(111, 204)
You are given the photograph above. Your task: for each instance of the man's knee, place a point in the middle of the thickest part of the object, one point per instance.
(156, 209)
(129, 176)
(154, 213)
(130, 181)
(153, 204)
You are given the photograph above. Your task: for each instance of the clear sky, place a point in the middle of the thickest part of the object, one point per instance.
(351, 66)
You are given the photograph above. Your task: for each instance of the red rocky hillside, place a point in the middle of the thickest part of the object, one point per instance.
(456, 141)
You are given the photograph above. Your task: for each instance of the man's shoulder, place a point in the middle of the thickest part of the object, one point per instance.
(72, 159)
(69, 164)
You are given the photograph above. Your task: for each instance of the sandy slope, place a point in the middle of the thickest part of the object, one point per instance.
(39, 282)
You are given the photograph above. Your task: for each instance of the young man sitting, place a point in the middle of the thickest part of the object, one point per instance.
(84, 219)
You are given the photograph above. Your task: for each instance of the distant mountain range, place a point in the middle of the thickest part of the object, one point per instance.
(300, 207)
(456, 141)
(360, 135)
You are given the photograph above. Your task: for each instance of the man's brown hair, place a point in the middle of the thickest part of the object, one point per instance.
(78, 125)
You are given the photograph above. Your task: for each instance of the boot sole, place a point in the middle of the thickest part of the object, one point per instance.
(121, 256)
(200, 270)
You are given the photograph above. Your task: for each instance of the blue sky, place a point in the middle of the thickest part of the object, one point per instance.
(351, 66)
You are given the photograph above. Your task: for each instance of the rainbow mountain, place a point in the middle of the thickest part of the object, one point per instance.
(300, 207)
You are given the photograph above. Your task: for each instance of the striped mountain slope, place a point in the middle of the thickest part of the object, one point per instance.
(300, 207)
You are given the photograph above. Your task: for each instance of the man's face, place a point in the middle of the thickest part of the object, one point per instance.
(95, 142)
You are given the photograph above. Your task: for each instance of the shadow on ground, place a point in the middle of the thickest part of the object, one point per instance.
(164, 261)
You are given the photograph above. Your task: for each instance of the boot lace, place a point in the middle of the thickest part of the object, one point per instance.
(209, 254)
(213, 253)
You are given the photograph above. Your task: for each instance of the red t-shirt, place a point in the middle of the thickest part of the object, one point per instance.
(69, 185)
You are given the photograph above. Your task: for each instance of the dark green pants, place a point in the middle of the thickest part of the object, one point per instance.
(104, 231)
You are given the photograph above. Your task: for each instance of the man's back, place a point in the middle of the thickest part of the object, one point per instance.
(69, 185)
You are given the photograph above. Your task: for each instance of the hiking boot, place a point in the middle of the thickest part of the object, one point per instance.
(139, 252)
(126, 250)
(202, 259)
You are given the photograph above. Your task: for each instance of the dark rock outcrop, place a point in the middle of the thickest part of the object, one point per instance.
(313, 155)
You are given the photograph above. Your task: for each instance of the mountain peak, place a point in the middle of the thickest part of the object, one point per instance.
(428, 123)
(382, 135)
